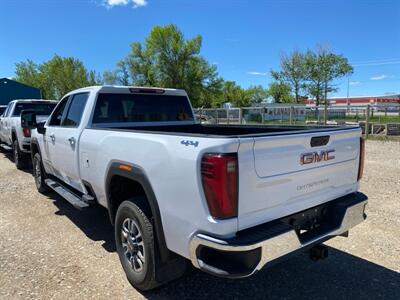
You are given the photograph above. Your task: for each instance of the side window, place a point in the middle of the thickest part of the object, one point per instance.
(58, 113)
(75, 110)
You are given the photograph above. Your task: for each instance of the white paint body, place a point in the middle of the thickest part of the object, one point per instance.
(272, 183)
(10, 124)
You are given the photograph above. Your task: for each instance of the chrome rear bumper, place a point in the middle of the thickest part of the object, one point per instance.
(276, 240)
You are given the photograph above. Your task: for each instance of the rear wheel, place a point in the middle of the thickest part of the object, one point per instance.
(20, 158)
(39, 174)
(135, 245)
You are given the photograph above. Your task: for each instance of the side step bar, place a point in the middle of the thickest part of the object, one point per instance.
(78, 203)
(5, 147)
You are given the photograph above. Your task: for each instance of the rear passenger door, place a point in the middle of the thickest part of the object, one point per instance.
(65, 139)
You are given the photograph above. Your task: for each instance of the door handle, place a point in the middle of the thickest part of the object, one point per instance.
(53, 137)
(72, 141)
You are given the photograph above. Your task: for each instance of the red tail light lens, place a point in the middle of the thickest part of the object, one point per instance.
(362, 158)
(26, 132)
(220, 183)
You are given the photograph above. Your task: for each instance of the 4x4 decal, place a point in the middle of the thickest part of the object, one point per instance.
(190, 143)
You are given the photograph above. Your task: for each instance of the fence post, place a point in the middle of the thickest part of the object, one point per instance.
(367, 123)
(291, 115)
(227, 116)
(240, 115)
(262, 115)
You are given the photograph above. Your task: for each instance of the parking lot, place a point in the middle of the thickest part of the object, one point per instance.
(49, 250)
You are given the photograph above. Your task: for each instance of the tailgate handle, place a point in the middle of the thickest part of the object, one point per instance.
(318, 141)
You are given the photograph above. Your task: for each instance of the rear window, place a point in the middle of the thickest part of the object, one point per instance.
(117, 108)
(41, 109)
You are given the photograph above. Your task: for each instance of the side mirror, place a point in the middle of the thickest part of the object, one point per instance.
(28, 119)
(40, 128)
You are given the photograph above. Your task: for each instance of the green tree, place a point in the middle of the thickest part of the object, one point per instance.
(57, 76)
(233, 93)
(293, 73)
(323, 68)
(280, 92)
(168, 59)
(257, 94)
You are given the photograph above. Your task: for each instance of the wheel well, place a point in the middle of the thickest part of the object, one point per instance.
(34, 149)
(121, 189)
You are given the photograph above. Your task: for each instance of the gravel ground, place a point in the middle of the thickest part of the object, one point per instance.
(48, 250)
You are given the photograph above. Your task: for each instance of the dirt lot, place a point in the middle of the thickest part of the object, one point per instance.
(48, 250)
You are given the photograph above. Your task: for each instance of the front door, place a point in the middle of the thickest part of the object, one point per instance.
(49, 137)
(64, 144)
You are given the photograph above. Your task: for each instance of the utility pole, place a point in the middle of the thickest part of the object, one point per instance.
(326, 103)
(348, 92)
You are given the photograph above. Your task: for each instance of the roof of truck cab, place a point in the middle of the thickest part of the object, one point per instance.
(126, 89)
(34, 100)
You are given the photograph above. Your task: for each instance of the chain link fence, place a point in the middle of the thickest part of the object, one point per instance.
(379, 120)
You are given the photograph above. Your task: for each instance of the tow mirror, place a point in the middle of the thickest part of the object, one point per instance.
(28, 119)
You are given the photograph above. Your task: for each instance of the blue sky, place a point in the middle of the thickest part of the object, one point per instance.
(243, 38)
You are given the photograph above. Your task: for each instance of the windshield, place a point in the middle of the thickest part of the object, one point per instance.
(2, 109)
(41, 109)
(117, 108)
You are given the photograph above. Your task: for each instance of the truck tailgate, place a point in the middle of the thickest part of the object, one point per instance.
(283, 174)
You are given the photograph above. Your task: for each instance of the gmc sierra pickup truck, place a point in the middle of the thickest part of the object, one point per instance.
(230, 199)
(12, 136)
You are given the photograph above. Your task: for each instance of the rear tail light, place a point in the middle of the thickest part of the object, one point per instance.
(219, 174)
(362, 158)
(26, 132)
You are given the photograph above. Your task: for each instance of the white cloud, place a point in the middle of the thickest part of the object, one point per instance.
(257, 73)
(379, 77)
(136, 3)
(355, 82)
(377, 62)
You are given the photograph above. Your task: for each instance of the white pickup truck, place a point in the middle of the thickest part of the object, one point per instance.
(12, 136)
(231, 199)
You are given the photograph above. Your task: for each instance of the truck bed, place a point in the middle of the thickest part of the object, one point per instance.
(229, 130)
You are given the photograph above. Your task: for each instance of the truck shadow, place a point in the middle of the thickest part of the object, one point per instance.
(94, 222)
(340, 276)
(9, 156)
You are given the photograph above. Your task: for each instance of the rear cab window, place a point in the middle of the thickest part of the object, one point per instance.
(41, 109)
(140, 108)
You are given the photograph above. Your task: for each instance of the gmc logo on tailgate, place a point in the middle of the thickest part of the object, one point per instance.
(315, 157)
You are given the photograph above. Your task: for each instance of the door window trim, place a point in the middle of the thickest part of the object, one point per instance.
(66, 99)
(68, 106)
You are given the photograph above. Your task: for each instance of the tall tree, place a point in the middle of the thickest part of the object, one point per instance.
(323, 68)
(168, 59)
(280, 92)
(57, 76)
(293, 72)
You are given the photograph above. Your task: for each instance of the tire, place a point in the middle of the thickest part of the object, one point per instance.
(39, 174)
(134, 238)
(20, 159)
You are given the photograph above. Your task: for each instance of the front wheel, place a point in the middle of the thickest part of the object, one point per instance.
(39, 174)
(135, 245)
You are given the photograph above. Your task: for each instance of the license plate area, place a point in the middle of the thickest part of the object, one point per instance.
(315, 222)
